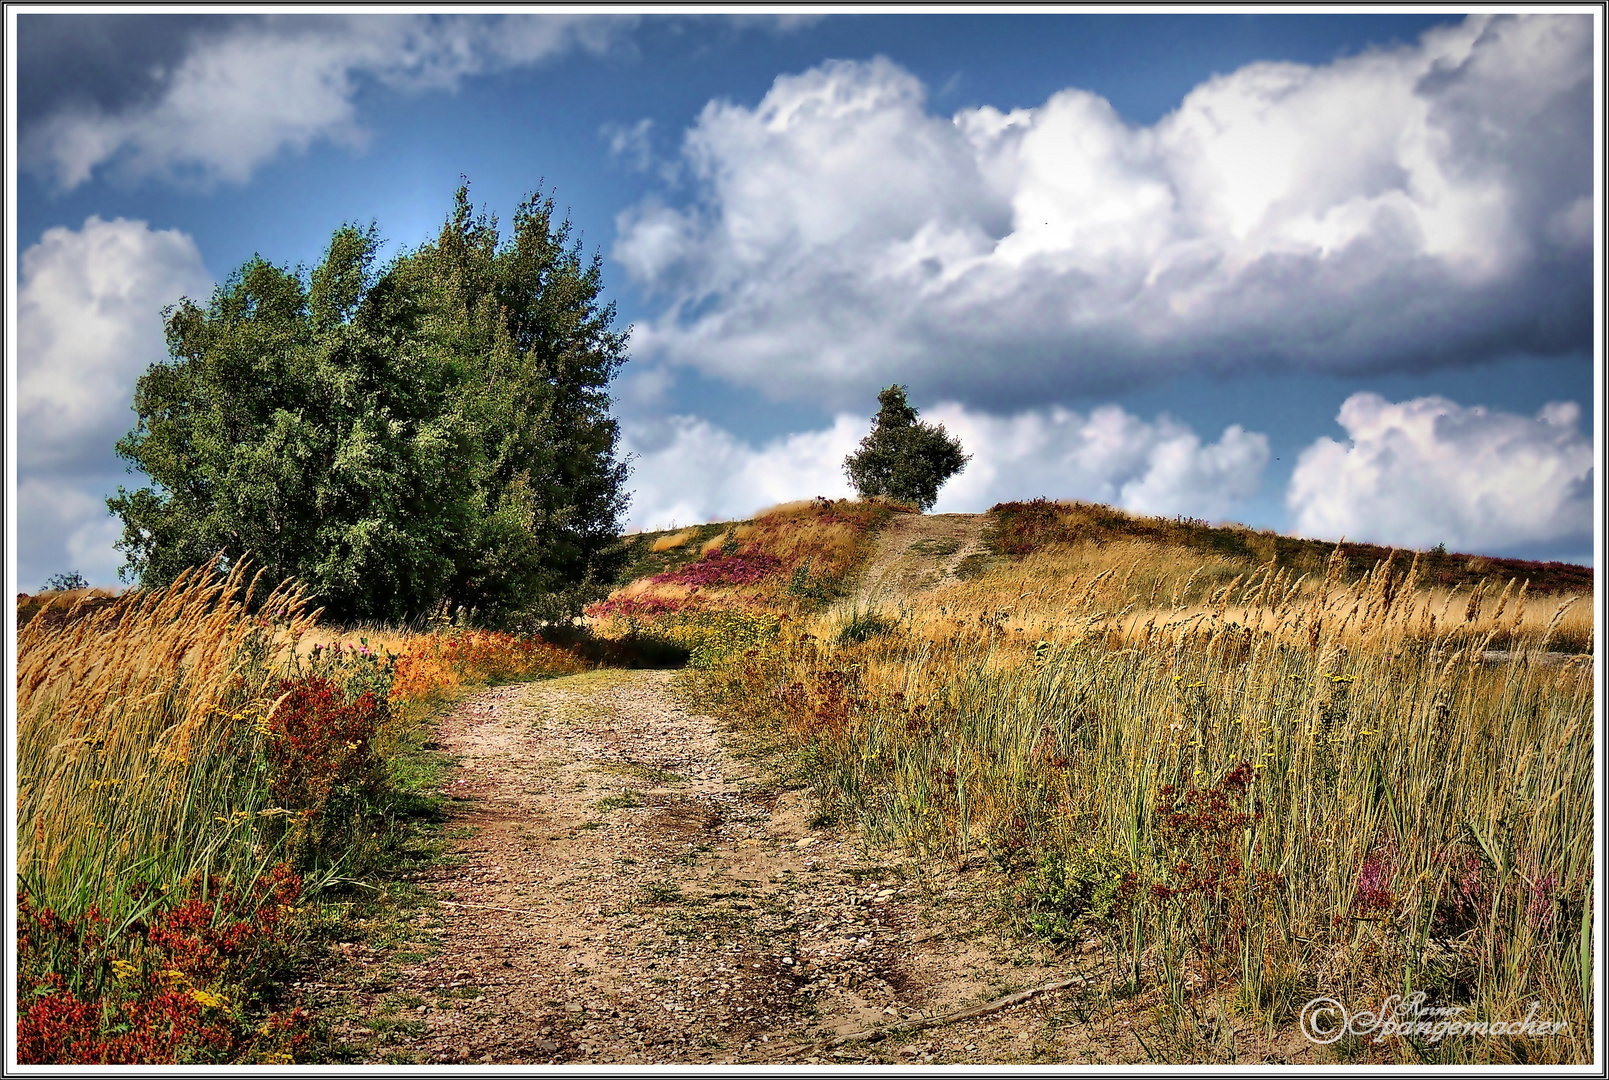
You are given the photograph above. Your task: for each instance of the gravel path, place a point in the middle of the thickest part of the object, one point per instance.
(632, 885)
(631, 882)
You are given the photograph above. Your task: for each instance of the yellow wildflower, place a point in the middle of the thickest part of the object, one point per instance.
(210, 1001)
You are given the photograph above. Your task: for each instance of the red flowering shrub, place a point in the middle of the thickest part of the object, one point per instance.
(167, 1027)
(320, 746)
(173, 987)
(211, 934)
(1201, 835)
(1203, 877)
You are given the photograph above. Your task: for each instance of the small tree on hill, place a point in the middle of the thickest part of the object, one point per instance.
(904, 458)
(67, 582)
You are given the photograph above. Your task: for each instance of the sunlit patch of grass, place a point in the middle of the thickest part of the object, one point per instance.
(750, 577)
(662, 892)
(672, 541)
(936, 548)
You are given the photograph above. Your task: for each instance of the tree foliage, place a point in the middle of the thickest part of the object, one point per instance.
(65, 582)
(904, 458)
(436, 430)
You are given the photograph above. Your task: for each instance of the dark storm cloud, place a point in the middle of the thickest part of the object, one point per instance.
(104, 62)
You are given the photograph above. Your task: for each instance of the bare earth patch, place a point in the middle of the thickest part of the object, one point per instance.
(919, 552)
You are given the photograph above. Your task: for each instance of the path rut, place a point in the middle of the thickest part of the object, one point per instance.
(920, 552)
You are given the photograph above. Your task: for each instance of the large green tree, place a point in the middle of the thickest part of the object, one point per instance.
(904, 458)
(438, 429)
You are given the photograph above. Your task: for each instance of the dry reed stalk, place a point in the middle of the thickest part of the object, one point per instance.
(118, 712)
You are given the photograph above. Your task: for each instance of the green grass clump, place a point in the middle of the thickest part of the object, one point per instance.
(864, 624)
(1070, 895)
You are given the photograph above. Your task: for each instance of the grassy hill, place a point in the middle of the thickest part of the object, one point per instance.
(1021, 527)
(1252, 769)
(1036, 557)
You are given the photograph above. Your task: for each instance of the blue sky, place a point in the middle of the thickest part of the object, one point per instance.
(1328, 274)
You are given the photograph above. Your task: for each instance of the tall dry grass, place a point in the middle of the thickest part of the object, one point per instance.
(143, 724)
(1135, 587)
(674, 540)
(1261, 784)
(193, 761)
(132, 723)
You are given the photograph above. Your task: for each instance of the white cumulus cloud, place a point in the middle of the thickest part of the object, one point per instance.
(1420, 205)
(1427, 471)
(240, 97)
(64, 528)
(1108, 456)
(89, 323)
(688, 470)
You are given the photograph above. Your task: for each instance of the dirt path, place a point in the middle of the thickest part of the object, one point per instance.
(633, 886)
(631, 882)
(919, 552)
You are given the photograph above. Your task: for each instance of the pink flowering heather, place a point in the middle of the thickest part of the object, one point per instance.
(1542, 910)
(1465, 897)
(636, 607)
(742, 569)
(1375, 879)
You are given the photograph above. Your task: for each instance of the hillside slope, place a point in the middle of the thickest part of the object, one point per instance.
(1243, 770)
(1027, 563)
